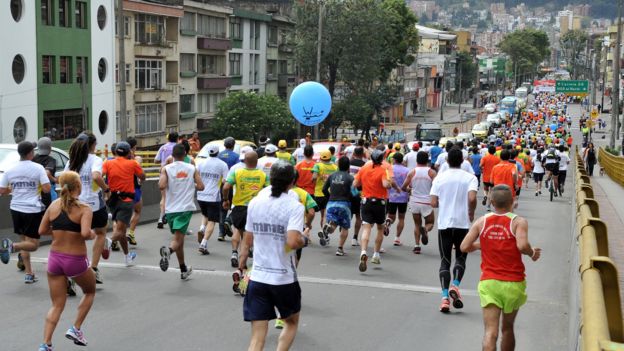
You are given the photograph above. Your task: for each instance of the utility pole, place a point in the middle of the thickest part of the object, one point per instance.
(593, 77)
(604, 74)
(459, 63)
(83, 86)
(123, 119)
(318, 56)
(615, 92)
(442, 95)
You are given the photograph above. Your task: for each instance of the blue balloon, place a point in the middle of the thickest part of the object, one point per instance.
(310, 103)
(553, 127)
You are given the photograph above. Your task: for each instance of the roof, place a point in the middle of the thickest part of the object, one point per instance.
(431, 33)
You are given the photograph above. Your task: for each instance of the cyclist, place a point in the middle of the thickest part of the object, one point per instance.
(551, 160)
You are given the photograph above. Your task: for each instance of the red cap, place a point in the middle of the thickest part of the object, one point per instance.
(416, 146)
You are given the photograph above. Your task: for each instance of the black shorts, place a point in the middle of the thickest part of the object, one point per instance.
(518, 191)
(100, 218)
(262, 299)
(27, 224)
(394, 206)
(211, 210)
(321, 201)
(488, 185)
(538, 177)
(373, 211)
(122, 211)
(553, 168)
(239, 217)
(356, 205)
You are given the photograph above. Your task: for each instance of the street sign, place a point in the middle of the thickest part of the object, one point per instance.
(572, 87)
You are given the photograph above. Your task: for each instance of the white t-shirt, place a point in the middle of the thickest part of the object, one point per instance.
(452, 188)
(269, 219)
(212, 172)
(91, 193)
(563, 163)
(410, 159)
(265, 163)
(537, 166)
(349, 151)
(441, 159)
(547, 160)
(298, 155)
(466, 166)
(25, 179)
(180, 187)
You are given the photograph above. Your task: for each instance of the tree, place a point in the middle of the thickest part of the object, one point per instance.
(468, 71)
(572, 44)
(247, 116)
(526, 49)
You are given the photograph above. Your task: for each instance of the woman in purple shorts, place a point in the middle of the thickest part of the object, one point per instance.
(69, 222)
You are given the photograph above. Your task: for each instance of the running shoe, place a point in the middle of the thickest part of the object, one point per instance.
(221, 237)
(20, 262)
(424, 236)
(164, 219)
(456, 296)
(340, 252)
(484, 201)
(45, 347)
(227, 226)
(203, 250)
(187, 274)
(98, 276)
(354, 242)
(5, 250)
(160, 224)
(234, 259)
(200, 234)
(322, 239)
(376, 259)
(386, 228)
(382, 250)
(363, 259)
(397, 242)
(445, 306)
(130, 257)
(115, 246)
(165, 255)
(108, 244)
(279, 323)
(131, 238)
(416, 250)
(30, 278)
(71, 287)
(236, 278)
(77, 336)
(536, 193)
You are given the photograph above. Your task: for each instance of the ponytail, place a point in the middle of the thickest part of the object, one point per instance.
(69, 181)
(79, 150)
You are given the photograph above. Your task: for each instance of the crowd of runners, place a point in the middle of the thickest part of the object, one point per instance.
(265, 201)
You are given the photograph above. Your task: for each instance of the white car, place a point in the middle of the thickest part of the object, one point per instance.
(465, 137)
(490, 108)
(9, 156)
(494, 119)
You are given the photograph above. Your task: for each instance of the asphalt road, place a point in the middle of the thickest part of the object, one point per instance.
(393, 306)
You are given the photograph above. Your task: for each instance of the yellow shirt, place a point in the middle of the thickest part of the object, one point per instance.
(323, 171)
(248, 183)
(285, 156)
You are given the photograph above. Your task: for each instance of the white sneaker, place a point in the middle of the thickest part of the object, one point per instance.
(130, 257)
(186, 275)
(354, 242)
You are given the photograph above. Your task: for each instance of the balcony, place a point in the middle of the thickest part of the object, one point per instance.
(168, 93)
(213, 83)
(163, 49)
(188, 74)
(286, 48)
(285, 80)
(214, 44)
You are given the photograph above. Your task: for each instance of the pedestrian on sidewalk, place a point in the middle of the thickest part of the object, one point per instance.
(502, 238)
(589, 156)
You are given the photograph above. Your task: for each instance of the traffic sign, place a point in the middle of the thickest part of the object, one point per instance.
(572, 87)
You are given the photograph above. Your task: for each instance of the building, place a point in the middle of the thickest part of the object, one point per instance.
(150, 32)
(464, 40)
(497, 8)
(61, 77)
(280, 63)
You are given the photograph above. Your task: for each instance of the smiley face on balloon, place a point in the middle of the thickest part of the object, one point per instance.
(310, 103)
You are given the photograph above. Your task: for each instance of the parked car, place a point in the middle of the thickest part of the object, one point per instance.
(9, 156)
(494, 119)
(324, 145)
(465, 137)
(479, 131)
(490, 108)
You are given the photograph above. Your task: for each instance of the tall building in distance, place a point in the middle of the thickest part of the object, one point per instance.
(61, 79)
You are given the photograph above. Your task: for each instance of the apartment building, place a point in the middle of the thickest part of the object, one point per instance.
(280, 61)
(60, 82)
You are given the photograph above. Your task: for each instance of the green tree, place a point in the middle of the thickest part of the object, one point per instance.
(468, 71)
(573, 43)
(526, 49)
(247, 116)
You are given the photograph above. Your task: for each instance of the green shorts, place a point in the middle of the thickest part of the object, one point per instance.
(179, 221)
(508, 296)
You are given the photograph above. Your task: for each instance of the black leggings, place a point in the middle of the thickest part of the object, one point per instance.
(562, 177)
(447, 238)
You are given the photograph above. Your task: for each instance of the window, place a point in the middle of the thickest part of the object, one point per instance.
(235, 28)
(187, 63)
(254, 69)
(65, 70)
(272, 37)
(63, 10)
(283, 67)
(207, 103)
(47, 16)
(63, 124)
(254, 35)
(101, 19)
(126, 26)
(187, 103)
(117, 121)
(211, 64)
(271, 69)
(149, 29)
(148, 74)
(127, 73)
(81, 14)
(18, 67)
(188, 22)
(210, 26)
(102, 69)
(235, 64)
(19, 130)
(48, 65)
(103, 122)
(16, 9)
(80, 62)
(149, 118)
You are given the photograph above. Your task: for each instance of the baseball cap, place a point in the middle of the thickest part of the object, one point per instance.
(123, 148)
(397, 146)
(302, 142)
(25, 147)
(325, 155)
(45, 146)
(270, 149)
(415, 147)
(282, 144)
(244, 150)
(213, 150)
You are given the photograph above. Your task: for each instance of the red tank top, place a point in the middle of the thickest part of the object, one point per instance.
(500, 257)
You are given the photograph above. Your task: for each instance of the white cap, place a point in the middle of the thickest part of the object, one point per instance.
(302, 142)
(213, 150)
(244, 150)
(270, 149)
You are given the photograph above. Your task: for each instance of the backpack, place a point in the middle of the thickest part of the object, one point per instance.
(551, 155)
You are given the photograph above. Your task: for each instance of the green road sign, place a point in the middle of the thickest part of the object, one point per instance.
(572, 87)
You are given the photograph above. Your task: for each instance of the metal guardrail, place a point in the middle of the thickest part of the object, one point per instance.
(602, 327)
(613, 165)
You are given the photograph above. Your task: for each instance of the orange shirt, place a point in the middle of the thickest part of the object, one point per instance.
(488, 162)
(503, 173)
(120, 173)
(305, 182)
(371, 177)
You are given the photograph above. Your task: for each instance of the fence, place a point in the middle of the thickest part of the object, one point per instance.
(150, 167)
(601, 313)
(613, 165)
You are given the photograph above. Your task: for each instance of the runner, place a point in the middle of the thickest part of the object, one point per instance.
(44, 147)
(120, 173)
(82, 160)
(320, 172)
(502, 285)
(163, 153)
(247, 182)
(194, 143)
(538, 171)
(564, 161)
(410, 157)
(397, 197)
(505, 173)
(356, 163)
(375, 180)
(475, 160)
(180, 180)
(138, 198)
(213, 173)
(265, 163)
(231, 158)
(551, 164)
(454, 192)
(282, 154)
(304, 170)
(25, 181)
(418, 185)
(68, 220)
(274, 230)
(338, 190)
(298, 154)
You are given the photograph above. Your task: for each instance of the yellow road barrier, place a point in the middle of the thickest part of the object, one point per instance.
(613, 165)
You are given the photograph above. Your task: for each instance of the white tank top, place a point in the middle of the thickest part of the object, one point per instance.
(421, 186)
(180, 187)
